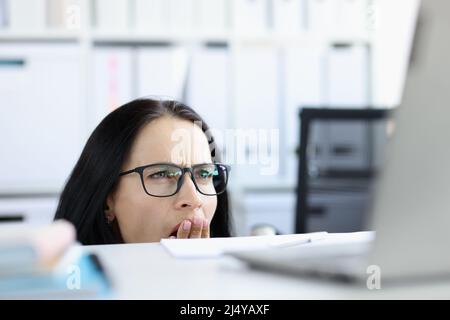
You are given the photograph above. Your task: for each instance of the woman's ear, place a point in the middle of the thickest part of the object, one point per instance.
(109, 209)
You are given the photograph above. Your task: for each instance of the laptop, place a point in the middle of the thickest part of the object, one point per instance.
(411, 207)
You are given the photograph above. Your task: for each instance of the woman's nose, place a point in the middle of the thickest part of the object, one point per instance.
(188, 196)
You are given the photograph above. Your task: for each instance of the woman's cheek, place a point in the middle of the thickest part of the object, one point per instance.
(211, 208)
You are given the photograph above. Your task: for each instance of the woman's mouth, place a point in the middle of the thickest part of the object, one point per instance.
(175, 231)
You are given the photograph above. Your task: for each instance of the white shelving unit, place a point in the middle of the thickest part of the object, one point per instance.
(87, 38)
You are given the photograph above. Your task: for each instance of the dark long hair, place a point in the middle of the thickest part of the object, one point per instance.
(96, 173)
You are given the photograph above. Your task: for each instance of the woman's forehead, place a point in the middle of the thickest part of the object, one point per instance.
(170, 139)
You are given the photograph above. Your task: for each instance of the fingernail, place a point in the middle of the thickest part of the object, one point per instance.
(187, 225)
(205, 223)
(198, 221)
(172, 237)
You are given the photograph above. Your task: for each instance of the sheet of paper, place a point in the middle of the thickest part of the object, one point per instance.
(337, 238)
(214, 247)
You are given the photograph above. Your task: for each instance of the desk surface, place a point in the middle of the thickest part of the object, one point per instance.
(148, 271)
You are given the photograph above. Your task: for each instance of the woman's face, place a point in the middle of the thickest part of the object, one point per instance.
(188, 213)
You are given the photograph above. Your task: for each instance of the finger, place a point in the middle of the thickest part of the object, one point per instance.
(184, 229)
(197, 226)
(205, 230)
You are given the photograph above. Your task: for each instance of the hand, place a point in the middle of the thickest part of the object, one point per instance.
(198, 228)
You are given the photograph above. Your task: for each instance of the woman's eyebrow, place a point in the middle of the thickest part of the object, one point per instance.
(184, 165)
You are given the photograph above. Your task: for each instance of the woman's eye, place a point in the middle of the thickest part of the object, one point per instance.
(158, 175)
(204, 174)
(164, 174)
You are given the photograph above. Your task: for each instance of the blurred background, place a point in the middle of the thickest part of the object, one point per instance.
(247, 66)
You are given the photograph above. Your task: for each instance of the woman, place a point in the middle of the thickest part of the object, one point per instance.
(147, 172)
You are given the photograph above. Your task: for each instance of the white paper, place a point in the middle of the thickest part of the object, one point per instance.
(215, 247)
(347, 237)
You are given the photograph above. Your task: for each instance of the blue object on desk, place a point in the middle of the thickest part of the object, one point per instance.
(85, 279)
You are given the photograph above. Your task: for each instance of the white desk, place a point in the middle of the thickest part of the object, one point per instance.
(147, 271)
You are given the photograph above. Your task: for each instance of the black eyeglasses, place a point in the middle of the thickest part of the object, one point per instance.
(166, 179)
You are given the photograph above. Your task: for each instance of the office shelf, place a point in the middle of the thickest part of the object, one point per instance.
(89, 38)
(41, 36)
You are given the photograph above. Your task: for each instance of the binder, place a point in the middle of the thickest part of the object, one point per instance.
(3, 14)
(162, 71)
(351, 18)
(303, 83)
(37, 106)
(27, 15)
(112, 15)
(62, 283)
(214, 16)
(391, 49)
(347, 86)
(289, 16)
(251, 16)
(348, 76)
(113, 80)
(182, 15)
(151, 16)
(207, 92)
(322, 16)
(257, 113)
(64, 14)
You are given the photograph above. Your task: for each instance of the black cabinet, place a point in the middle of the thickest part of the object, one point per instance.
(341, 151)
